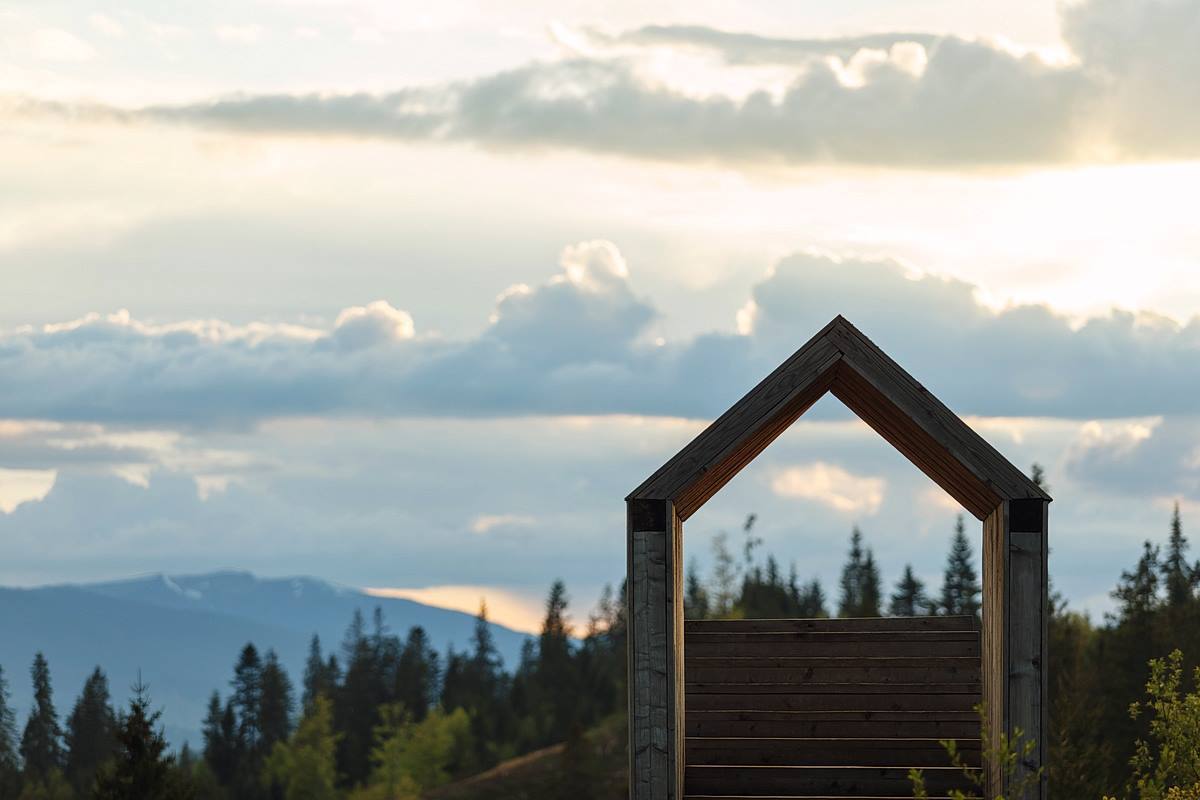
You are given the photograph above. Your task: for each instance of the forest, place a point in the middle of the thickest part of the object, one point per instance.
(383, 716)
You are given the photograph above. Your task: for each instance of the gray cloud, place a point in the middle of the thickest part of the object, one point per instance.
(581, 343)
(915, 100)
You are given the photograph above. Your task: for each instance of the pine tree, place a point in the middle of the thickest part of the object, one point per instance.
(41, 742)
(9, 760)
(317, 677)
(960, 586)
(909, 599)
(812, 601)
(356, 705)
(142, 768)
(418, 674)
(695, 598)
(860, 584)
(275, 703)
(91, 733)
(1179, 577)
(1137, 591)
(220, 740)
(725, 576)
(247, 698)
(556, 678)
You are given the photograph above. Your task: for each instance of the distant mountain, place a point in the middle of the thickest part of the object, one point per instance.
(183, 634)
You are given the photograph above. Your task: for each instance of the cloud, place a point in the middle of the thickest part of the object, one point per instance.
(19, 486)
(485, 523)
(513, 610)
(833, 486)
(582, 342)
(56, 44)
(239, 34)
(1124, 91)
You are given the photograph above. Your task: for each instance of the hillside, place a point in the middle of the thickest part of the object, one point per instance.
(182, 633)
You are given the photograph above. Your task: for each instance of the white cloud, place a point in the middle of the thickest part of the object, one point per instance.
(19, 486)
(372, 324)
(56, 44)
(485, 523)
(833, 486)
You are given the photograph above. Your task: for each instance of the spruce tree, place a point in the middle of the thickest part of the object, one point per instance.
(317, 679)
(91, 733)
(1179, 577)
(10, 765)
(556, 678)
(860, 584)
(356, 705)
(418, 674)
(960, 586)
(220, 740)
(142, 769)
(41, 742)
(247, 698)
(275, 703)
(909, 599)
(1137, 591)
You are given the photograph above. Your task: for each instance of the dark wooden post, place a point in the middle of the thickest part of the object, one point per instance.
(1015, 622)
(655, 598)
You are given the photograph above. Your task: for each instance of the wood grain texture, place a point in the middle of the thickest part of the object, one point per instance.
(655, 669)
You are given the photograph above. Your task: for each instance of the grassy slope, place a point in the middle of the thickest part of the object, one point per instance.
(591, 767)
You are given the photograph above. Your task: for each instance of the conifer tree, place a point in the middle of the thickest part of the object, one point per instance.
(247, 698)
(1179, 577)
(695, 598)
(417, 674)
(812, 601)
(725, 576)
(556, 677)
(318, 678)
(9, 760)
(275, 703)
(909, 599)
(860, 584)
(960, 586)
(91, 733)
(356, 705)
(220, 740)
(142, 769)
(305, 766)
(1137, 591)
(41, 742)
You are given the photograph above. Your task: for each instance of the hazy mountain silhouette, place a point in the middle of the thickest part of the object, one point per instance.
(184, 633)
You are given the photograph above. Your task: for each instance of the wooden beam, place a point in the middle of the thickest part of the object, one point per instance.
(655, 650)
(1015, 620)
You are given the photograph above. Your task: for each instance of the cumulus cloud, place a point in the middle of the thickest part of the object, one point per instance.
(580, 343)
(833, 486)
(1125, 91)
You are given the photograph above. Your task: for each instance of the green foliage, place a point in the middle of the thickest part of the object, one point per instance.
(413, 756)
(910, 599)
(860, 584)
(9, 760)
(41, 741)
(1005, 756)
(54, 786)
(91, 733)
(960, 587)
(304, 767)
(1169, 758)
(142, 767)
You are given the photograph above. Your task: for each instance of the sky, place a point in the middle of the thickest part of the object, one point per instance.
(409, 298)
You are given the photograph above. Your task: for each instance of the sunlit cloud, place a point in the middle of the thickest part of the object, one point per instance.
(485, 523)
(19, 486)
(504, 606)
(831, 485)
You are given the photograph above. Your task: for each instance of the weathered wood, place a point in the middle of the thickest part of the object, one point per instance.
(833, 678)
(834, 701)
(836, 625)
(875, 752)
(958, 725)
(656, 652)
(817, 780)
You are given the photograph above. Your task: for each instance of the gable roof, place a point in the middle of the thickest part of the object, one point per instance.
(841, 360)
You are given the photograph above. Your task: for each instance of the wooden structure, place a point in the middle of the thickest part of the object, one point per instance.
(757, 684)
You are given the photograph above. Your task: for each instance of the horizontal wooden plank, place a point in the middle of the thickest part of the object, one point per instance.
(847, 624)
(830, 646)
(805, 797)
(820, 781)
(840, 701)
(826, 752)
(833, 724)
(812, 687)
(702, 673)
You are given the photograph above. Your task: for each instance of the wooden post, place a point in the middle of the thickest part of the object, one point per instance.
(1015, 622)
(655, 598)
